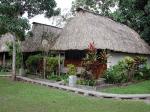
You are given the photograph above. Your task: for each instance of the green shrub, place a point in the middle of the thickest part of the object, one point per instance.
(71, 69)
(62, 77)
(116, 74)
(52, 63)
(143, 72)
(86, 82)
(33, 61)
(127, 70)
(4, 69)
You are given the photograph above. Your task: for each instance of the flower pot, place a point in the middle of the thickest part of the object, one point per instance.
(21, 72)
(72, 80)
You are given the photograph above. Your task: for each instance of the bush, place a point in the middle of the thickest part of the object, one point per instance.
(86, 82)
(33, 62)
(4, 69)
(62, 77)
(51, 64)
(116, 74)
(127, 70)
(143, 72)
(71, 69)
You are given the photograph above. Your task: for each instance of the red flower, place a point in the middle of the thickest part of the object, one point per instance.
(91, 46)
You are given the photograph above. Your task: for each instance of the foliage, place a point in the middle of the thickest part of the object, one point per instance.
(125, 70)
(19, 55)
(10, 20)
(86, 82)
(31, 7)
(33, 61)
(71, 69)
(116, 74)
(143, 72)
(52, 64)
(4, 69)
(135, 14)
(102, 7)
(93, 60)
(62, 77)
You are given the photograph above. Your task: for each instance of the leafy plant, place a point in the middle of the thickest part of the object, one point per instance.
(33, 61)
(71, 69)
(126, 70)
(19, 55)
(86, 82)
(143, 72)
(92, 61)
(52, 64)
(55, 77)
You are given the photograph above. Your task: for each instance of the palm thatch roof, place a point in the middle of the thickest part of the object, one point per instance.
(39, 33)
(4, 39)
(88, 27)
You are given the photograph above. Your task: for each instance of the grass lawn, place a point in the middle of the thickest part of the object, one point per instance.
(23, 97)
(138, 88)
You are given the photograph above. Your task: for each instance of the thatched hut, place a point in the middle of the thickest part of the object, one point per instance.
(32, 44)
(4, 56)
(118, 39)
(39, 33)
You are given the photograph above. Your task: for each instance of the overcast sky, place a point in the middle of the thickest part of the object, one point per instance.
(63, 4)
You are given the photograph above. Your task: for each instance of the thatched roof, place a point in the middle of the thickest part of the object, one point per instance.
(40, 32)
(4, 39)
(88, 27)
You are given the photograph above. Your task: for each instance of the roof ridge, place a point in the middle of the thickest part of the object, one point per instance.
(46, 25)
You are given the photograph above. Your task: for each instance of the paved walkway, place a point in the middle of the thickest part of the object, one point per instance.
(5, 75)
(87, 92)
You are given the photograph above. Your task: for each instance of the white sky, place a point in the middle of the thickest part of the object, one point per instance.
(63, 4)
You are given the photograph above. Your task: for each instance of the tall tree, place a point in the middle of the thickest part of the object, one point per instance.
(11, 19)
(135, 14)
(102, 7)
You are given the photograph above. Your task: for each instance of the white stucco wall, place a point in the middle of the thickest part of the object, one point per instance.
(115, 57)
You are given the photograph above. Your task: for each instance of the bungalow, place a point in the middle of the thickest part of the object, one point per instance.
(119, 40)
(4, 56)
(32, 44)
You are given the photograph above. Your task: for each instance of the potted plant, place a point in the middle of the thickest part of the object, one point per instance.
(72, 71)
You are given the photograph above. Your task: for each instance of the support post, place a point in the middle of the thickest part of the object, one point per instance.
(59, 67)
(14, 59)
(44, 67)
(4, 60)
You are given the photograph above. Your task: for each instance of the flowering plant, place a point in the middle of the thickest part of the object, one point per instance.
(93, 60)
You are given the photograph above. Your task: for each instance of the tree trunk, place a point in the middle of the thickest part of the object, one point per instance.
(14, 60)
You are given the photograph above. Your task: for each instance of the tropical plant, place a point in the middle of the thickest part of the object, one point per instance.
(127, 70)
(71, 69)
(33, 63)
(52, 64)
(19, 55)
(92, 61)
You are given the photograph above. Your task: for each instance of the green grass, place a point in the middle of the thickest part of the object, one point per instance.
(138, 88)
(23, 97)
